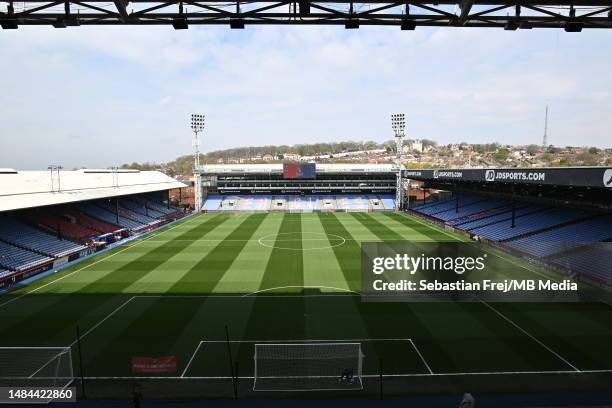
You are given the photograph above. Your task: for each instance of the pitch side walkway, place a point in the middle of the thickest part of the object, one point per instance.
(565, 400)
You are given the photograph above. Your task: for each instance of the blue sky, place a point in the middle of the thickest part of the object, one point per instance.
(96, 97)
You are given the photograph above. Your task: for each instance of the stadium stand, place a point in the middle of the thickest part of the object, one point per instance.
(141, 212)
(262, 203)
(567, 237)
(466, 210)
(388, 202)
(212, 203)
(531, 223)
(279, 203)
(301, 203)
(595, 261)
(446, 206)
(88, 222)
(60, 226)
(246, 204)
(353, 203)
(152, 202)
(108, 216)
(559, 217)
(229, 204)
(17, 234)
(125, 212)
(18, 259)
(492, 217)
(377, 204)
(43, 226)
(562, 237)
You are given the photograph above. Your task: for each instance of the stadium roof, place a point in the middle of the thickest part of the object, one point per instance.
(277, 168)
(27, 189)
(570, 15)
(591, 177)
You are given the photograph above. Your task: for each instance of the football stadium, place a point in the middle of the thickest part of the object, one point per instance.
(259, 292)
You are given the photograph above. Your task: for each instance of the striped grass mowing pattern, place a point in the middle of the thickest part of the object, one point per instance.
(283, 276)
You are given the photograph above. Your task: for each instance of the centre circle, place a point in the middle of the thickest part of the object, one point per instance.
(301, 241)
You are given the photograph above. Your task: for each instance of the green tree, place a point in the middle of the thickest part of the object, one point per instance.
(502, 154)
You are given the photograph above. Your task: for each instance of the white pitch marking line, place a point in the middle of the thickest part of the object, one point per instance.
(299, 287)
(44, 365)
(317, 341)
(451, 374)
(421, 356)
(221, 296)
(528, 334)
(94, 263)
(103, 320)
(246, 240)
(192, 357)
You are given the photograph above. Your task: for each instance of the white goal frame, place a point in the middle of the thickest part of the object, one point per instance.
(43, 370)
(357, 376)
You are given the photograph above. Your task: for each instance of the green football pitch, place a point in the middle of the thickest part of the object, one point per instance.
(283, 277)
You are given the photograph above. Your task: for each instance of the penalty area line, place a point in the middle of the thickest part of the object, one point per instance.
(108, 316)
(421, 356)
(195, 352)
(317, 341)
(449, 374)
(507, 319)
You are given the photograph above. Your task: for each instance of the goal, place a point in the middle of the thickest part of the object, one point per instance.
(308, 366)
(36, 367)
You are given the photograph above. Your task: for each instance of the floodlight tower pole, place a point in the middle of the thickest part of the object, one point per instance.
(197, 126)
(398, 124)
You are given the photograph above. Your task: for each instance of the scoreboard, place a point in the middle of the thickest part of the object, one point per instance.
(299, 171)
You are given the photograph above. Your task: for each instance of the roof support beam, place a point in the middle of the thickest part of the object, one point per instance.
(403, 14)
(466, 7)
(122, 9)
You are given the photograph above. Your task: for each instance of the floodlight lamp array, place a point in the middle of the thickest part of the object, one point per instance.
(197, 122)
(398, 124)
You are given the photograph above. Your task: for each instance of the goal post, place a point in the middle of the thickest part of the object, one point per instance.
(36, 367)
(308, 367)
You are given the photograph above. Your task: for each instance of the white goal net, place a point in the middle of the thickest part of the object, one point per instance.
(308, 366)
(36, 367)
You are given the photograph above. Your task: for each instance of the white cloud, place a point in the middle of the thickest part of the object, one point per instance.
(102, 96)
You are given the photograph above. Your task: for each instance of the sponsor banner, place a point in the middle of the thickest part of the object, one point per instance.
(154, 365)
(452, 272)
(583, 177)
